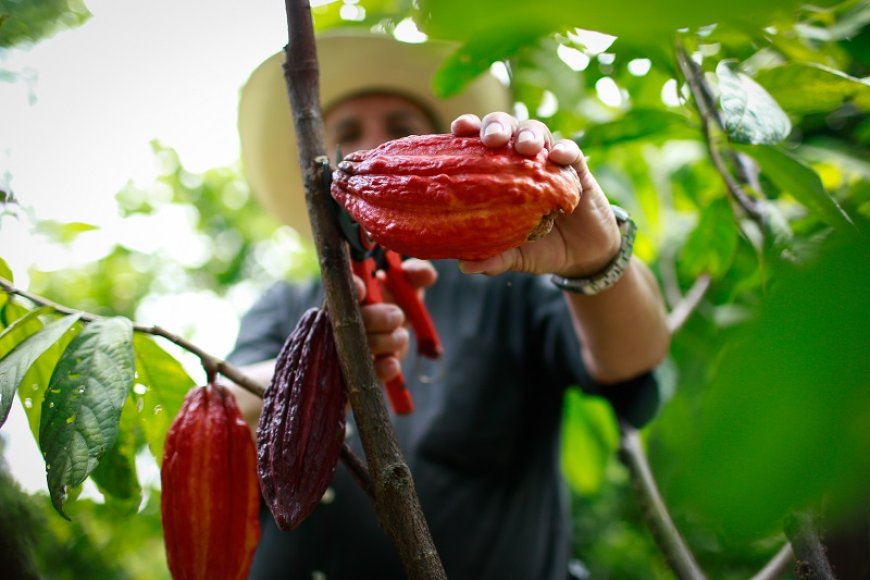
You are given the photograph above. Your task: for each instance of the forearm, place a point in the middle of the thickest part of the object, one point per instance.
(623, 329)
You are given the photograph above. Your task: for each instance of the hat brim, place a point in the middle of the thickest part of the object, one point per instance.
(350, 63)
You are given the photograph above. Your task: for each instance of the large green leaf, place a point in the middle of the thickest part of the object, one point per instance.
(784, 420)
(589, 441)
(795, 177)
(750, 114)
(82, 407)
(801, 87)
(161, 384)
(647, 125)
(21, 328)
(710, 247)
(14, 366)
(116, 474)
(631, 19)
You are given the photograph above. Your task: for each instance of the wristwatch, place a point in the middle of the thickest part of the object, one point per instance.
(611, 273)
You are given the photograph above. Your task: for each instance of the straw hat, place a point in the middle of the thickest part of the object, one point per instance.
(350, 63)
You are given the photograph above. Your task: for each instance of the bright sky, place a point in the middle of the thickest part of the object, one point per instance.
(80, 128)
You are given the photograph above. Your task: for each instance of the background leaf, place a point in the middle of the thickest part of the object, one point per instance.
(710, 247)
(589, 441)
(15, 365)
(82, 406)
(820, 88)
(161, 384)
(750, 114)
(793, 176)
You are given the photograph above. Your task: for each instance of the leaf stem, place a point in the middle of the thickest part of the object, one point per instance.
(777, 565)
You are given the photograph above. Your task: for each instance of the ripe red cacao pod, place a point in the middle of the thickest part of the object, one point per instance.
(302, 425)
(443, 196)
(210, 500)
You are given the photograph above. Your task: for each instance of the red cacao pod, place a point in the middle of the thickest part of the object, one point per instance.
(210, 501)
(442, 196)
(301, 428)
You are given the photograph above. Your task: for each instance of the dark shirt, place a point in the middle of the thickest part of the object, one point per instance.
(482, 443)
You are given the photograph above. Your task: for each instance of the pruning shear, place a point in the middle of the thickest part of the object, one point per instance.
(367, 257)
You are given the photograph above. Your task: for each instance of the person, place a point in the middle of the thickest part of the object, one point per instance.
(483, 443)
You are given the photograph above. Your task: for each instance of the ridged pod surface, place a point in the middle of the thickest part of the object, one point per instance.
(210, 501)
(442, 196)
(301, 428)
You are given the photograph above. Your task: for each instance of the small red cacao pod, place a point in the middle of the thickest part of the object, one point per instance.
(210, 500)
(302, 425)
(442, 196)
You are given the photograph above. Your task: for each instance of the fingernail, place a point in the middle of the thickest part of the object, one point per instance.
(525, 136)
(494, 128)
(396, 317)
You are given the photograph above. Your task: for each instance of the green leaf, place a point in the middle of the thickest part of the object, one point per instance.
(116, 475)
(803, 88)
(710, 247)
(637, 20)
(795, 177)
(784, 420)
(82, 406)
(648, 125)
(63, 232)
(161, 384)
(589, 440)
(750, 114)
(14, 366)
(21, 328)
(5, 270)
(474, 58)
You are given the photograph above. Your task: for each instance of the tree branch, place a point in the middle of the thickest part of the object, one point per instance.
(812, 559)
(396, 501)
(706, 106)
(777, 565)
(665, 533)
(683, 309)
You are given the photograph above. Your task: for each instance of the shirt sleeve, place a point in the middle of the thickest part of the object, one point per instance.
(636, 400)
(265, 327)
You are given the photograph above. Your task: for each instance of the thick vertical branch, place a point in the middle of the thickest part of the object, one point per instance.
(812, 560)
(665, 533)
(395, 498)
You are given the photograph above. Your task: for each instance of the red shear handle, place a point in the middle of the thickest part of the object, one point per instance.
(398, 394)
(428, 343)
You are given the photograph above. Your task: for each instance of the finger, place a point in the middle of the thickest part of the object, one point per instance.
(565, 152)
(419, 273)
(389, 342)
(532, 136)
(387, 367)
(359, 288)
(496, 129)
(382, 317)
(498, 264)
(465, 125)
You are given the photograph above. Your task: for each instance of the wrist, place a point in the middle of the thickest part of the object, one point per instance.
(612, 270)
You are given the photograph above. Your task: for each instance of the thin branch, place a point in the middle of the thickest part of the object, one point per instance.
(681, 311)
(702, 97)
(395, 499)
(812, 559)
(665, 533)
(777, 565)
(210, 363)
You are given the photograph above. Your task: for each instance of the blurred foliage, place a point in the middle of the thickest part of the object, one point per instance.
(34, 20)
(769, 374)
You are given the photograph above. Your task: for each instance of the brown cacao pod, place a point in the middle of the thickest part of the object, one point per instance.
(210, 501)
(442, 196)
(301, 428)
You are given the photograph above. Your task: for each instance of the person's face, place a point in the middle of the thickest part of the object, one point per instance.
(366, 121)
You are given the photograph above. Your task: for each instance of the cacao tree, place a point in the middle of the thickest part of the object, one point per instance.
(737, 136)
